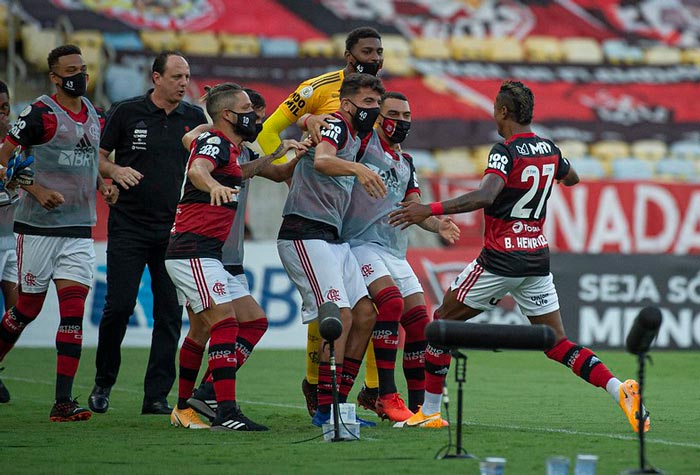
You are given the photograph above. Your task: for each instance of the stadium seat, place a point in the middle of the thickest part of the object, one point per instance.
(662, 55)
(395, 45)
(674, 169)
(589, 167)
(609, 149)
(649, 149)
(691, 56)
(423, 161)
(123, 81)
(430, 48)
(338, 41)
(398, 65)
(317, 48)
(469, 48)
(505, 49)
(279, 47)
(632, 169)
(581, 51)
(620, 52)
(36, 44)
(239, 46)
(123, 41)
(542, 49)
(685, 150)
(455, 161)
(573, 148)
(199, 43)
(480, 155)
(159, 40)
(86, 38)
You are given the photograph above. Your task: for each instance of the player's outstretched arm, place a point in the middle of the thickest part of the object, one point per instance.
(254, 167)
(445, 227)
(314, 124)
(570, 179)
(189, 137)
(326, 162)
(269, 137)
(199, 174)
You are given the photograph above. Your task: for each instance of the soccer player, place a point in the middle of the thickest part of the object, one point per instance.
(322, 266)
(319, 97)
(203, 221)
(515, 258)
(8, 255)
(380, 250)
(252, 321)
(53, 220)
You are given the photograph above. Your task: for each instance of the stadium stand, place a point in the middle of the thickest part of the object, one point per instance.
(543, 49)
(581, 50)
(675, 169)
(199, 43)
(239, 46)
(430, 48)
(632, 169)
(316, 48)
(505, 49)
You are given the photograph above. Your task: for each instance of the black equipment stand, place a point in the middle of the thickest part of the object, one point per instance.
(461, 378)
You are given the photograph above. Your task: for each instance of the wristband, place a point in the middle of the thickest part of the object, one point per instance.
(436, 208)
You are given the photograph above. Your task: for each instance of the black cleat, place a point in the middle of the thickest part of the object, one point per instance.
(99, 399)
(157, 407)
(234, 420)
(204, 401)
(69, 411)
(367, 398)
(311, 396)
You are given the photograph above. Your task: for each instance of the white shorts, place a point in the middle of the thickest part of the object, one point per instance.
(8, 265)
(322, 272)
(238, 286)
(375, 262)
(41, 259)
(199, 282)
(480, 289)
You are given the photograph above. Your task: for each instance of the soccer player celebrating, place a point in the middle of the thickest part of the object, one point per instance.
(318, 97)
(322, 266)
(380, 250)
(203, 221)
(252, 321)
(53, 220)
(515, 258)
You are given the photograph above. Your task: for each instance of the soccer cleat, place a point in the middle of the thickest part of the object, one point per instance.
(204, 401)
(430, 421)
(234, 420)
(392, 407)
(367, 398)
(187, 418)
(69, 411)
(629, 402)
(321, 418)
(310, 394)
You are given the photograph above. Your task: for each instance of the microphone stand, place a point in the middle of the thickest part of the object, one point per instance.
(336, 403)
(461, 378)
(643, 468)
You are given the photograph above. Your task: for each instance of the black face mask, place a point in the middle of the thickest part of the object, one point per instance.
(258, 129)
(366, 68)
(396, 129)
(364, 118)
(74, 85)
(245, 126)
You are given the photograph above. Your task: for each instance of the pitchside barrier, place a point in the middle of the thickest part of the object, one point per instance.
(600, 295)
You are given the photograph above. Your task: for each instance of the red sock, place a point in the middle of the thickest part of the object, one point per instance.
(249, 334)
(385, 337)
(69, 338)
(414, 322)
(348, 374)
(222, 359)
(17, 318)
(324, 389)
(582, 361)
(190, 360)
(437, 363)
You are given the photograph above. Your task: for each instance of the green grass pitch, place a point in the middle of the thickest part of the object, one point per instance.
(517, 405)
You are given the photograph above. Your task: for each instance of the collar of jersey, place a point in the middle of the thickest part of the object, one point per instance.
(526, 135)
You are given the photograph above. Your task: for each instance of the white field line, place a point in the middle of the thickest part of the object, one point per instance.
(576, 433)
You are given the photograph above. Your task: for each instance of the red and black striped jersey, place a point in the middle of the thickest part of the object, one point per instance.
(201, 229)
(514, 241)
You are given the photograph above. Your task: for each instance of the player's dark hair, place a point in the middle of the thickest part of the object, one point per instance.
(219, 98)
(393, 95)
(359, 33)
(63, 50)
(161, 60)
(4, 89)
(518, 99)
(354, 82)
(255, 97)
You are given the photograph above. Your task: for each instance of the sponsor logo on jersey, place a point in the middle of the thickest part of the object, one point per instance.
(333, 133)
(228, 355)
(83, 155)
(522, 149)
(306, 92)
(519, 227)
(94, 131)
(366, 270)
(214, 140)
(333, 295)
(139, 137)
(540, 300)
(25, 111)
(540, 148)
(498, 162)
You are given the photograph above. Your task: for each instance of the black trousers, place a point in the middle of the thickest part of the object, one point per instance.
(131, 247)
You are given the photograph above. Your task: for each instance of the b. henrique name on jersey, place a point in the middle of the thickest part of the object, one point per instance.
(514, 241)
(201, 229)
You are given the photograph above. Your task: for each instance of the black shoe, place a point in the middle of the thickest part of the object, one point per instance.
(157, 407)
(204, 401)
(68, 411)
(4, 393)
(99, 399)
(234, 420)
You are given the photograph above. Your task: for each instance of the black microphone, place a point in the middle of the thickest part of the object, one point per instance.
(329, 324)
(456, 334)
(644, 330)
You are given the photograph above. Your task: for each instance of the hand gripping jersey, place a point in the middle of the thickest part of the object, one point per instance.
(367, 218)
(514, 243)
(201, 229)
(317, 197)
(68, 164)
(232, 252)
